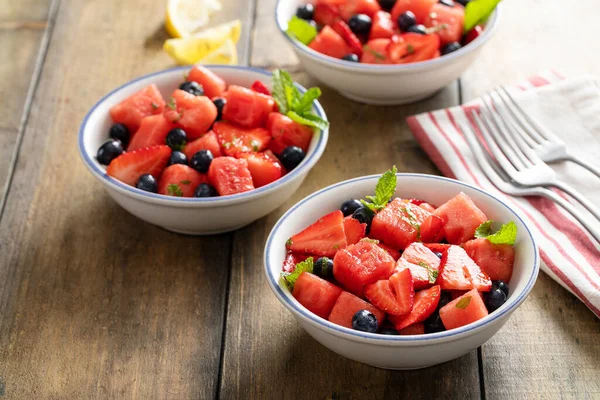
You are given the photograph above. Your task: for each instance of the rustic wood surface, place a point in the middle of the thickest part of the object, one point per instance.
(96, 304)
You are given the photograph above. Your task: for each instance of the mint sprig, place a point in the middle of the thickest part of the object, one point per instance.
(463, 303)
(384, 191)
(290, 278)
(432, 273)
(300, 29)
(294, 105)
(507, 234)
(478, 11)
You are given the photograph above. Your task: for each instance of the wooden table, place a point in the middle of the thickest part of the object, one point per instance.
(97, 304)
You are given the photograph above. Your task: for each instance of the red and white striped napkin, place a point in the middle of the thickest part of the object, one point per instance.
(571, 109)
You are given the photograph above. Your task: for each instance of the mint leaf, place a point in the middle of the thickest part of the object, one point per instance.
(308, 119)
(304, 104)
(301, 30)
(369, 240)
(291, 277)
(384, 191)
(376, 54)
(463, 303)
(507, 234)
(432, 273)
(171, 103)
(478, 11)
(174, 190)
(281, 81)
(186, 182)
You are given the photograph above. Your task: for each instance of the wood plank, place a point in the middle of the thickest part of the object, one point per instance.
(93, 302)
(24, 10)
(267, 354)
(550, 348)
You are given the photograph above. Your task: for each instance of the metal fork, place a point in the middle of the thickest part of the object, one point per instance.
(503, 182)
(545, 144)
(517, 159)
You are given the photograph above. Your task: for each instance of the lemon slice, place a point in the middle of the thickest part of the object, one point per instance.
(186, 17)
(226, 54)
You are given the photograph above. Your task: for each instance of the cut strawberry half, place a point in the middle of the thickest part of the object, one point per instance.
(346, 33)
(323, 238)
(402, 284)
(380, 294)
(326, 14)
(291, 259)
(128, 167)
(437, 247)
(425, 303)
(423, 264)
(460, 272)
(180, 181)
(260, 87)
(354, 230)
(236, 139)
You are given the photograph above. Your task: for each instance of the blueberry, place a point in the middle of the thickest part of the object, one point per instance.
(109, 151)
(364, 215)
(387, 5)
(177, 157)
(450, 47)
(351, 58)
(434, 323)
(388, 331)
(305, 12)
(406, 20)
(291, 156)
(445, 298)
(119, 132)
(219, 103)
(463, 2)
(500, 285)
(323, 268)
(193, 88)
(205, 190)
(349, 206)
(148, 183)
(494, 299)
(447, 3)
(420, 29)
(365, 321)
(438, 254)
(360, 24)
(176, 138)
(201, 160)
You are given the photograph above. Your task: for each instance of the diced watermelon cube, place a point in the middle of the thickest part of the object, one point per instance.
(136, 107)
(427, 207)
(286, 132)
(323, 238)
(450, 21)
(392, 252)
(376, 52)
(326, 13)
(195, 114)
(236, 139)
(206, 142)
(461, 217)
(423, 265)
(213, 85)
(347, 305)
(330, 43)
(353, 7)
(425, 303)
(263, 168)
(382, 26)
(361, 264)
(463, 310)
(246, 107)
(459, 272)
(180, 181)
(152, 132)
(316, 294)
(354, 230)
(230, 176)
(496, 260)
(420, 8)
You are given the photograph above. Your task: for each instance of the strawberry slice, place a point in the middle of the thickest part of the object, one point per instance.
(128, 167)
(460, 272)
(235, 139)
(354, 230)
(425, 303)
(345, 32)
(291, 259)
(326, 14)
(263, 168)
(416, 329)
(207, 142)
(437, 247)
(392, 252)
(323, 238)
(380, 294)
(260, 87)
(402, 283)
(382, 26)
(180, 181)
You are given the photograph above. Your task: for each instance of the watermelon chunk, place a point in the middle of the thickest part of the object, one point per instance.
(316, 294)
(236, 139)
(213, 85)
(361, 264)
(463, 310)
(382, 26)
(461, 217)
(180, 181)
(347, 305)
(416, 329)
(449, 19)
(287, 132)
(427, 207)
(323, 238)
(230, 176)
(422, 263)
(496, 260)
(459, 272)
(425, 303)
(330, 43)
(263, 167)
(195, 114)
(352, 7)
(153, 131)
(420, 8)
(392, 252)
(136, 107)
(206, 142)
(354, 230)
(246, 107)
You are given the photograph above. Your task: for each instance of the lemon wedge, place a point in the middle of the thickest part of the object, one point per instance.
(226, 54)
(193, 49)
(186, 17)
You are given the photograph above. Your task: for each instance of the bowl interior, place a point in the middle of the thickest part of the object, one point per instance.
(95, 127)
(433, 189)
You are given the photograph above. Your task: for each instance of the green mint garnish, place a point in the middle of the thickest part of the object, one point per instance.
(432, 273)
(186, 182)
(294, 105)
(385, 189)
(291, 277)
(301, 30)
(464, 302)
(255, 145)
(375, 53)
(154, 105)
(171, 103)
(478, 11)
(410, 48)
(174, 190)
(507, 234)
(289, 242)
(369, 240)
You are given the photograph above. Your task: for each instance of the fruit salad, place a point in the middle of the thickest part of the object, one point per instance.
(209, 138)
(389, 31)
(397, 266)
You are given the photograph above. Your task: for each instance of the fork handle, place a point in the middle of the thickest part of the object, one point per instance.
(592, 227)
(579, 197)
(585, 164)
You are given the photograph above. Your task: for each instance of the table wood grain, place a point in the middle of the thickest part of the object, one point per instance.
(95, 304)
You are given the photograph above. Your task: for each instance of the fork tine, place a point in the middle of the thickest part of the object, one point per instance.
(530, 136)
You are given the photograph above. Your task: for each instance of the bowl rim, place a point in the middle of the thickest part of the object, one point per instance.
(391, 340)
(360, 67)
(100, 174)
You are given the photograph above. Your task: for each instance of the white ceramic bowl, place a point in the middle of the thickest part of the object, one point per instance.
(382, 84)
(192, 215)
(411, 351)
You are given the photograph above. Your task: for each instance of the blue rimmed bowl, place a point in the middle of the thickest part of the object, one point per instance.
(410, 351)
(382, 84)
(195, 216)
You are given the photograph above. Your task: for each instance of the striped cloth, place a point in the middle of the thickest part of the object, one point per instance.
(569, 255)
